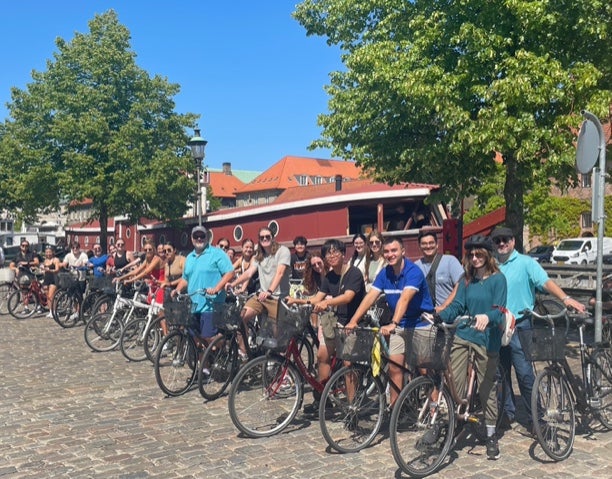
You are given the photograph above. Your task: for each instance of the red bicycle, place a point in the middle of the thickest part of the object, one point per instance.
(30, 297)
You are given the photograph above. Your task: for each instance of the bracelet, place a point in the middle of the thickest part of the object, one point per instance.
(269, 291)
(565, 299)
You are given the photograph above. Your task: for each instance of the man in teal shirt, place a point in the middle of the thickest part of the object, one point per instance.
(524, 277)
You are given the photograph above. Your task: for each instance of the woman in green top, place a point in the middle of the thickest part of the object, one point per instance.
(479, 295)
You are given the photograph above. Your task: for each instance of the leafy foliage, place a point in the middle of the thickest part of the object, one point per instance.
(96, 126)
(434, 89)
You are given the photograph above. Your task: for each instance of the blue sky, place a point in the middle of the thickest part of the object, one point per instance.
(246, 67)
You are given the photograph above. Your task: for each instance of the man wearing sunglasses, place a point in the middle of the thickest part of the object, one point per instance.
(524, 277)
(24, 258)
(206, 267)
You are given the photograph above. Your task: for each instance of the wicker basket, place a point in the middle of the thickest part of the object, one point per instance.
(354, 345)
(179, 313)
(65, 280)
(7, 275)
(226, 316)
(288, 324)
(543, 343)
(427, 348)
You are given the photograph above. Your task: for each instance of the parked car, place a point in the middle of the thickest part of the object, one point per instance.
(542, 253)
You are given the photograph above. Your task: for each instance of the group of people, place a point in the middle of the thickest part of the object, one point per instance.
(492, 276)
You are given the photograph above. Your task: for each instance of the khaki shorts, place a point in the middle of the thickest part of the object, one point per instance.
(270, 306)
(407, 341)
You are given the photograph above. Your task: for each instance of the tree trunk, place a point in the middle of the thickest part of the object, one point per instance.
(103, 227)
(513, 194)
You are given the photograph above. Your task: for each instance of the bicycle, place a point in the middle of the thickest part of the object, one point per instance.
(267, 393)
(133, 335)
(429, 411)
(177, 354)
(557, 392)
(30, 297)
(8, 284)
(220, 360)
(68, 299)
(103, 330)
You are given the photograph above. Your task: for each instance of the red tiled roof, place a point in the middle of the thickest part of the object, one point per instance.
(282, 175)
(223, 185)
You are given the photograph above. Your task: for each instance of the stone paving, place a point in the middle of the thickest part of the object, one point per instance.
(68, 412)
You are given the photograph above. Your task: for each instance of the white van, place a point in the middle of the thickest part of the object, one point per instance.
(579, 250)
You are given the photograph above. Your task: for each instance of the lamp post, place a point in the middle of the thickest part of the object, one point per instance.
(197, 145)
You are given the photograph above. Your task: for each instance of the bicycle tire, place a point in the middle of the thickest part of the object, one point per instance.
(103, 304)
(87, 306)
(552, 410)
(65, 309)
(131, 342)
(153, 336)
(265, 396)
(349, 425)
(175, 364)
(6, 289)
(103, 331)
(307, 354)
(418, 446)
(22, 304)
(218, 367)
(601, 384)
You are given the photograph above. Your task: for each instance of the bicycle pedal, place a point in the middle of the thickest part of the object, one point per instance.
(595, 403)
(473, 419)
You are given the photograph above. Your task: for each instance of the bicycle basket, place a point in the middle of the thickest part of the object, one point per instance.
(543, 343)
(427, 348)
(226, 316)
(101, 283)
(276, 333)
(178, 313)
(355, 345)
(65, 280)
(25, 280)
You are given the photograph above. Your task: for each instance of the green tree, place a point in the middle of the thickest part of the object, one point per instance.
(96, 126)
(432, 90)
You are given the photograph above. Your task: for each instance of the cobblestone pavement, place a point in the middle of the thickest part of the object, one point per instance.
(68, 412)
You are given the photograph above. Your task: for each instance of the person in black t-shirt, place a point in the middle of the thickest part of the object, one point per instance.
(299, 258)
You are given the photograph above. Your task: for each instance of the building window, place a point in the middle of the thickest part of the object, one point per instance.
(302, 180)
(238, 233)
(586, 220)
(317, 180)
(128, 233)
(585, 180)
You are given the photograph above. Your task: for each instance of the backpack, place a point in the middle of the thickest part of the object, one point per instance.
(507, 329)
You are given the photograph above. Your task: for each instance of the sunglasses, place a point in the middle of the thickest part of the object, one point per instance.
(119, 244)
(265, 237)
(168, 250)
(476, 255)
(25, 245)
(198, 237)
(224, 246)
(148, 250)
(375, 242)
(501, 239)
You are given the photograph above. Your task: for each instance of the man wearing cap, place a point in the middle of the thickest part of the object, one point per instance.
(206, 267)
(524, 276)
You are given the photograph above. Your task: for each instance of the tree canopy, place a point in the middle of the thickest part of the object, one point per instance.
(434, 91)
(96, 126)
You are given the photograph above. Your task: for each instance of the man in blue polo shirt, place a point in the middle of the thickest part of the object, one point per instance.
(206, 267)
(407, 295)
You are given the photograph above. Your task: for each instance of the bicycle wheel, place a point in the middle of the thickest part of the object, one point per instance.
(351, 408)
(307, 354)
(103, 331)
(87, 306)
(421, 434)
(175, 363)
(265, 396)
(152, 338)
(104, 304)
(65, 309)
(601, 383)
(552, 409)
(22, 304)
(6, 289)
(218, 366)
(132, 339)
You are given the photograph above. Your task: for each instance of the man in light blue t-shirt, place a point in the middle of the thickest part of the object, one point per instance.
(524, 277)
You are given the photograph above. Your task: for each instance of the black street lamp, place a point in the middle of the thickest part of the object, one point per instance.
(197, 145)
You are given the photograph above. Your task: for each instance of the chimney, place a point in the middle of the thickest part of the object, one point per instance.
(338, 182)
(227, 168)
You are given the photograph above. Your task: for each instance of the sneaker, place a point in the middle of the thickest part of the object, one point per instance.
(74, 316)
(492, 448)
(312, 408)
(49, 315)
(431, 435)
(506, 422)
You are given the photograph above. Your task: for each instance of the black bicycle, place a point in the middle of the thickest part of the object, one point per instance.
(558, 393)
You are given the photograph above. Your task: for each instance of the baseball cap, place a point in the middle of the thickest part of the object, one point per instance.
(502, 232)
(198, 229)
